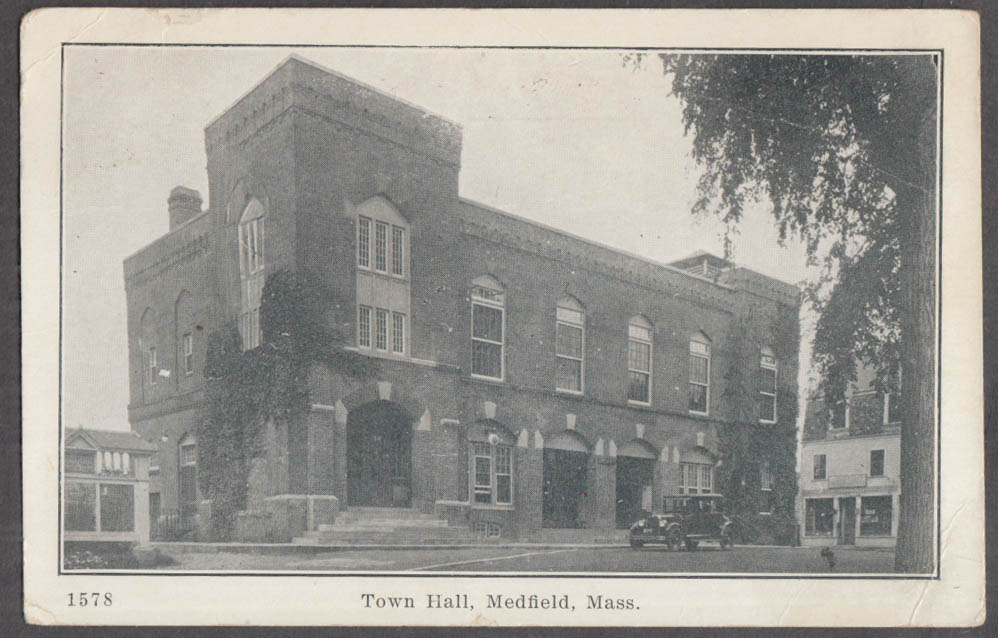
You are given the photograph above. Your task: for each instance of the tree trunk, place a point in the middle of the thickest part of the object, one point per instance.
(915, 551)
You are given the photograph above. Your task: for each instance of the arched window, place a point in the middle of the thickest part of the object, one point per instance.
(767, 386)
(570, 343)
(639, 358)
(700, 373)
(251, 267)
(488, 317)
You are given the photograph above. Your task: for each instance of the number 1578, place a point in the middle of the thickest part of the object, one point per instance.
(93, 599)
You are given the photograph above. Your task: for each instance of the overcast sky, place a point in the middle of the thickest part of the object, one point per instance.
(571, 138)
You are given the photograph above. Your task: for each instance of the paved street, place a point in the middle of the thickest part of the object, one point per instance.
(707, 559)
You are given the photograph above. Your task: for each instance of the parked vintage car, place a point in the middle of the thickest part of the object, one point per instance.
(686, 521)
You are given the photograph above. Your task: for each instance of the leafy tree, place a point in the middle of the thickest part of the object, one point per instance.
(844, 148)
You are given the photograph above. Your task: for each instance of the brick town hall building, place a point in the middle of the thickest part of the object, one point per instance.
(525, 378)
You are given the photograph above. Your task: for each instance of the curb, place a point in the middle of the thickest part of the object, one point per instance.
(296, 548)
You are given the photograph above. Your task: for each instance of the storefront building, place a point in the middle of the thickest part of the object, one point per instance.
(105, 486)
(848, 485)
(525, 378)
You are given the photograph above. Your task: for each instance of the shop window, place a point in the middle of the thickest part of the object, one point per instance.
(117, 507)
(819, 517)
(80, 507)
(570, 345)
(876, 516)
(639, 358)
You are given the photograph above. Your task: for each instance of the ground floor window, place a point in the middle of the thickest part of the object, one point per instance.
(80, 504)
(876, 517)
(492, 473)
(819, 517)
(117, 507)
(696, 478)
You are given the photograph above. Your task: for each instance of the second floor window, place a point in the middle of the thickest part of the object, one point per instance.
(699, 374)
(569, 346)
(876, 462)
(487, 323)
(892, 408)
(820, 471)
(767, 386)
(251, 238)
(639, 344)
(364, 327)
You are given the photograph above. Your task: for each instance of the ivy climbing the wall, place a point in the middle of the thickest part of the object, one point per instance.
(746, 442)
(246, 390)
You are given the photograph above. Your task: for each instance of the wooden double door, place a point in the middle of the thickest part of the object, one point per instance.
(379, 456)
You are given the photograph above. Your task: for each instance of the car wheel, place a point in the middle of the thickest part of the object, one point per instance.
(726, 541)
(675, 541)
(636, 544)
(691, 546)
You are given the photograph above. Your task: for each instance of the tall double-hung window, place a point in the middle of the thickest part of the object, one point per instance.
(492, 477)
(639, 353)
(251, 265)
(488, 308)
(699, 374)
(570, 328)
(767, 386)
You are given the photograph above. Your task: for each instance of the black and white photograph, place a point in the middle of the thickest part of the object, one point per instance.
(570, 315)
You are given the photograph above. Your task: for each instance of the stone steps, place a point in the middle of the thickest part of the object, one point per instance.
(386, 526)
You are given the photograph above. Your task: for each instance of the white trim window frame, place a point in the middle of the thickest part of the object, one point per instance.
(398, 251)
(364, 323)
(640, 359)
(768, 362)
(398, 333)
(381, 246)
(491, 474)
(251, 244)
(700, 356)
(881, 463)
(832, 418)
(570, 348)
(483, 335)
(696, 478)
(381, 329)
(363, 242)
(889, 405)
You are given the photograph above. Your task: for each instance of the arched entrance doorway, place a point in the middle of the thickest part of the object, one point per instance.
(379, 455)
(566, 459)
(635, 475)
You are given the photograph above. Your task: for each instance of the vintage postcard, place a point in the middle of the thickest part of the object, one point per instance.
(407, 317)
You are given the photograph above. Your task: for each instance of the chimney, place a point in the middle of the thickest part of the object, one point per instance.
(184, 204)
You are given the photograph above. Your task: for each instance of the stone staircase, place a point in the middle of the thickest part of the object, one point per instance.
(387, 526)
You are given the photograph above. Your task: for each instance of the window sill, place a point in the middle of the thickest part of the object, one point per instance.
(639, 404)
(493, 506)
(571, 393)
(695, 413)
(479, 377)
(764, 421)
